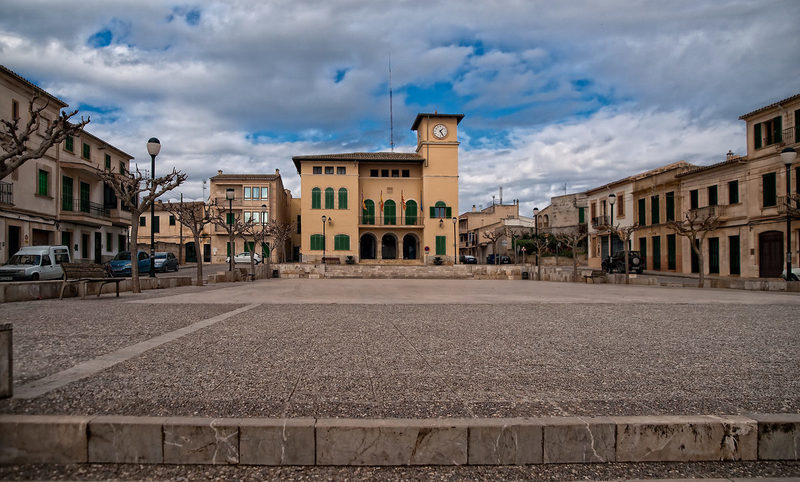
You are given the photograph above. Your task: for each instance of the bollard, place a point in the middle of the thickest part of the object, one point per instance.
(6, 365)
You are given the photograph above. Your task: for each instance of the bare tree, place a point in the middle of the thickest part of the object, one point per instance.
(572, 238)
(16, 140)
(695, 226)
(230, 222)
(624, 233)
(195, 216)
(260, 233)
(493, 237)
(540, 244)
(281, 232)
(138, 192)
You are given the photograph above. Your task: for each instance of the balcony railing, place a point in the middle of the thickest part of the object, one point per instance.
(792, 202)
(791, 135)
(708, 211)
(95, 210)
(6, 193)
(601, 221)
(383, 220)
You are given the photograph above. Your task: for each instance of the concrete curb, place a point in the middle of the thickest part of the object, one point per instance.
(27, 439)
(40, 290)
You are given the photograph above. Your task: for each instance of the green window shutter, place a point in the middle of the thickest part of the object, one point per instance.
(448, 212)
(389, 212)
(342, 198)
(733, 192)
(229, 218)
(228, 247)
(655, 210)
(87, 151)
(157, 224)
(172, 220)
(264, 250)
(329, 198)
(316, 198)
(66, 193)
(777, 133)
(797, 126)
(142, 221)
(757, 136)
(433, 212)
(109, 241)
(768, 182)
(694, 199)
(670, 206)
(42, 184)
(317, 242)
(411, 213)
(671, 252)
(65, 239)
(734, 256)
(713, 255)
(369, 212)
(108, 161)
(643, 249)
(642, 213)
(441, 245)
(581, 216)
(341, 242)
(712, 195)
(657, 253)
(69, 143)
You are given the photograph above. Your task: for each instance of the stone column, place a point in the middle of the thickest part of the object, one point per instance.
(6, 365)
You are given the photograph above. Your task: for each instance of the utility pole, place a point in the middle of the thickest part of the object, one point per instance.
(180, 246)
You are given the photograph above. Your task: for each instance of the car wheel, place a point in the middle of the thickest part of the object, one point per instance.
(793, 277)
(35, 277)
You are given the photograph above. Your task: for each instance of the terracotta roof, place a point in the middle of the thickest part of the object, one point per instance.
(726, 162)
(360, 157)
(642, 175)
(30, 84)
(245, 177)
(421, 116)
(768, 107)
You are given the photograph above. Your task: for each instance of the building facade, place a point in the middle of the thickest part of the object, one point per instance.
(383, 207)
(171, 236)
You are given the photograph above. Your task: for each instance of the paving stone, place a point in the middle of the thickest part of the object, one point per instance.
(190, 440)
(42, 439)
(276, 441)
(6, 360)
(778, 436)
(391, 442)
(120, 439)
(685, 438)
(505, 441)
(578, 440)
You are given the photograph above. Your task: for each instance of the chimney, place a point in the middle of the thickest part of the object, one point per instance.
(729, 155)
(474, 209)
(277, 172)
(219, 172)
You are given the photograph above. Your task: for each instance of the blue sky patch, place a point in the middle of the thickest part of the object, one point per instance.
(191, 15)
(339, 75)
(101, 39)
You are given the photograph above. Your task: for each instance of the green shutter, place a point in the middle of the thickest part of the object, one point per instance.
(448, 212)
(109, 241)
(228, 247)
(42, 185)
(316, 198)
(642, 213)
(411, 213)
(671, 252)
(777, 129)
(670, 206)
(734, 249)
(657, 253)
(768, 182)
(655, 210)
(69, 143)
(433, 212)
(713, 255)
(66, 193)
(229, 218)
(581, 216)
(733, 192)
(87, 151)
(712, 195)
(694, 199)
(441, 245)
(342, 198)
(757, 136)
(389, 213)
(329, 198)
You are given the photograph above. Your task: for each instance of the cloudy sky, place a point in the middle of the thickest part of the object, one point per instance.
(557, 94)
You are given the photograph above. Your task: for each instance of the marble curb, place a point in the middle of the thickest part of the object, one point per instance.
(28, 439)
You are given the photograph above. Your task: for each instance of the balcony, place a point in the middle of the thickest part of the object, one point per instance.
(707, 212)
(81, 209)
(383, 220)
(791, 135)
(601, 221)
(6, 193)
(792, 203)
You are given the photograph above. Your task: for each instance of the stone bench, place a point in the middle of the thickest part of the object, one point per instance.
(83, 274)
(596, 274)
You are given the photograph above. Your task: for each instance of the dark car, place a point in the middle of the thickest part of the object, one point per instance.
(164, 262)
(616, 264)
(467, 259)
(502, 260)
(120, 265)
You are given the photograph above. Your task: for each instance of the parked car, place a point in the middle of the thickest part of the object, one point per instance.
(165, 261)
(616, 263)
(33, 263)
(120, 265)
(467, 259)
(795, 274)
(502, 259)
(244, 258)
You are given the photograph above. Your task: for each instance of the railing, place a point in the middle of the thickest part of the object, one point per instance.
(95, 210)
(600, 221)
(791, 135)
(792, 202)
(6, 193)
(708, 211)
(383, 220)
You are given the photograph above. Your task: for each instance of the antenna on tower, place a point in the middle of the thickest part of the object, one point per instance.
(391, 112)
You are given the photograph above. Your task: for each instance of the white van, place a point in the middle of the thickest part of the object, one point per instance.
(35, 263)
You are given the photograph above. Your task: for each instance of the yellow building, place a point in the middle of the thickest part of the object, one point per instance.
(383, 207)
(170, 235)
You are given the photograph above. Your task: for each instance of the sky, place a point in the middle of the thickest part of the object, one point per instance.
(558, 97)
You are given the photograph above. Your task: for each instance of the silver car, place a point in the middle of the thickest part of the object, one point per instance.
(33, 263)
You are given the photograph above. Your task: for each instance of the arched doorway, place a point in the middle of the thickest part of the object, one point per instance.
(410, 248)
(388, 247)
(367, 245)
(190, 256)
(770, 254)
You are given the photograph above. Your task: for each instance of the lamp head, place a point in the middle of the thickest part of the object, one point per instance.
(441, 222)
(229, 194)
(153, 146)
(535, 211)
(455, 219)
(788, 155)
(612, 198)
(324, 218)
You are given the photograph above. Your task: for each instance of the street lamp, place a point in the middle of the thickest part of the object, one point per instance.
(536, 227)
(455, 249)
(153, 148)
(612, 198)
(229, 195)
(324, 240)
(788, 156)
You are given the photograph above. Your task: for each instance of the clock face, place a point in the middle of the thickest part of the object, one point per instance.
(440, 131)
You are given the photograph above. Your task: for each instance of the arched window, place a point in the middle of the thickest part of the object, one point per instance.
(368, 213)
(342, 198)
(329, 198)
(389, 212)
(316, 198)
(441, 210)
(411, 213)
(317, 242)
(341, 242)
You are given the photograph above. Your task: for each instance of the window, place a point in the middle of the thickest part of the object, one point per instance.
(14, 109)
(643, 249)
(87, 151)
(69, 144)
(440, 210)
(142, 221)
(264, 193)
(671, 250)
(389, 212)
(620, 204)
(395, 172)
(368, 212)
(713, 255)
(341, 242)
(247, 192)
(341, 170)
(120, 242)
(122, 167)
(329, 198)
(247, 216)
(642, 212)
(441, 245)
(694, 199)
(316, 198)
(657, 253)
(712, 195)
(768, 184)
(593, 210)
(298, 224)
(172, 220)
(109, 241)
(157, 224)
(108, 161)
(768, 133)
(317, 242)
(655, 210)
(41, 188)
(406, 173)
(66, 239)
(316, 170)
(411, 213)
(255, 193)
(84, 197)
(230, 218)
(384, 173)
(734, 249)
(342, 198)
(373, 173)
(328, 169)
(581, 215)
(256, 217)
(66, 193)
(733, 192)
(670, 198)
(228, 247)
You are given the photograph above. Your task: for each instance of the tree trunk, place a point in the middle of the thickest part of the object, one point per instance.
(627, 268)
(252, 262)
(701, 266)
(574, 265)
(199, 257)
(135, 252)
(270, 249)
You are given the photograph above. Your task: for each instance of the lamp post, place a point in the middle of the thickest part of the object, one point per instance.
(455, 249)
(153, 148)
(263, 223)
(324, 220)
(788, 156)
(229, 195)
(536, 227)
(612, 198)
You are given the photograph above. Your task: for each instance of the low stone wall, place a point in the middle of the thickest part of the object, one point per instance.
(29, 439)
(39, 290)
